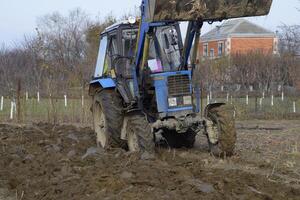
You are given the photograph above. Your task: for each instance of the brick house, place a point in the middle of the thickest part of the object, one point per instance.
(237, 36)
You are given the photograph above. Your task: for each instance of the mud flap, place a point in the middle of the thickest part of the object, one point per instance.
(211, 106)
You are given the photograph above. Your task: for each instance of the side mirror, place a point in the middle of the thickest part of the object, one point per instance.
(174, 37)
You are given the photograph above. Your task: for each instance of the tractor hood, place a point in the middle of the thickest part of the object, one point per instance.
(205, 10)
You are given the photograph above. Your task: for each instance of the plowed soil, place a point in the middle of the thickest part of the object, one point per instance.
(43, 161)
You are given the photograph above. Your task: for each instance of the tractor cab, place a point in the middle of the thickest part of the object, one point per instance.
(116, 42)
(115, 58)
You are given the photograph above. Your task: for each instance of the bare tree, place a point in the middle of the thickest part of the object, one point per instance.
(289, 38)
(13, 67)
(65, 47)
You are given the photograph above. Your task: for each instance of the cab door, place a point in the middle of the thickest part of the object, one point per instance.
(100, 65)
(107, 51)
(124, 65)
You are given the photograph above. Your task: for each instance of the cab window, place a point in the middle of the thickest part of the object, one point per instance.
(101, 57)
(110, 55)
(164, 51)
(129, 39)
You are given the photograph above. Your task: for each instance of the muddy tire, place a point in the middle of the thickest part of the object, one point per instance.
(224, 124)
(108, 119)
(139, 134)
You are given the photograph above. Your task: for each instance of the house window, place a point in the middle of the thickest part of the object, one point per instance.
(220, 48)
(205, 50)
(212, 53)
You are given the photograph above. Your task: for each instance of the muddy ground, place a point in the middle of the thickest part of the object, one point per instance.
(42, 161)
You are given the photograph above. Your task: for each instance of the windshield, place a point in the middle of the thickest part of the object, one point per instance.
(129, 39)
(164, 50)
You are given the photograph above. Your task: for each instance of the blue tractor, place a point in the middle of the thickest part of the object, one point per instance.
(143, 90)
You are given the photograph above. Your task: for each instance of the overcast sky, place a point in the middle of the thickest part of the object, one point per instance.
(18, 17)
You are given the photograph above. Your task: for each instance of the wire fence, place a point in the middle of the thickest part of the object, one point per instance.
(250, 104)
(46, 109)
(74, 108)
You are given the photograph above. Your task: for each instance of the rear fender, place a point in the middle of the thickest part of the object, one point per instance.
(99, 84)
(211, 106)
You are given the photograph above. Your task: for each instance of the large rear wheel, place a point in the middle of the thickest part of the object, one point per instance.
(139, 134)
(108, 119)
(221, 132)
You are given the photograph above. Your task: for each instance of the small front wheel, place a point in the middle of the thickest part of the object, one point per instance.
(220, 130)
(108, 119)
(99, 124)
(139, 134)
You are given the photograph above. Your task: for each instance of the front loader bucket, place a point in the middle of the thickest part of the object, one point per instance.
(205, 10)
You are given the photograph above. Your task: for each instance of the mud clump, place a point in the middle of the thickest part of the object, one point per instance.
(43, 161)
(207, 10)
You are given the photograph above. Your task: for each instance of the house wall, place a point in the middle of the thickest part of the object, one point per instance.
(241, 45)
(245, 45)
(212, 45)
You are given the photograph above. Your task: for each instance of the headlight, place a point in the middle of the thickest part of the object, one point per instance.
(172, 102)
(187, 100)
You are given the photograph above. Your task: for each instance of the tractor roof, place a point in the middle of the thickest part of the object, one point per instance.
(116, 26)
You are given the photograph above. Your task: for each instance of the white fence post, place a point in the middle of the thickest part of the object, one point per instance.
(247, 99)
(38, 97)
(15, 107)
(222, 88)
(26, 94)
(208, 100)
(263, 95)
(272, 100)
(260, 102)
(82, 100)
(227, 97)
(66, 101)
(294, 107)
(282, 96)
(2, 102)
(231, 100)
(11, 110)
